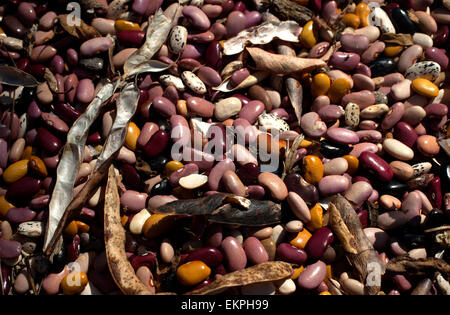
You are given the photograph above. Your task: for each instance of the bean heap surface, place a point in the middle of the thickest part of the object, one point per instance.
(161, 146)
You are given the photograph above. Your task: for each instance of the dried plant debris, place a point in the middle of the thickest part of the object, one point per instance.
(295, 93)
(418, 266)
(82, 32)
(360, 253)
(445, 145)
(289, 10)
(11, 43)
(260, 35)
(265, 272)
(126, 108)
(261, 213)
(121, 270)
(442, 284)
(116, 8)
(291, 156)
(71, 160)
(92, 4)
(8, 97)
(397, 39)
(15, 77)
(157, 33)
(226, 209)
(51, 81)
(281, 64)
(251, 80)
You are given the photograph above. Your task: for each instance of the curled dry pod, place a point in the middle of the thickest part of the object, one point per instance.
(226, 209)
(249, 81)
(121, 270)
(261, 34)
(126, 108)
(15, 77)
(157, 33)
(281, 64)
(71, 159)
(265, 272)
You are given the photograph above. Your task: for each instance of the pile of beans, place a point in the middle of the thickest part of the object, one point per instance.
(372, 121)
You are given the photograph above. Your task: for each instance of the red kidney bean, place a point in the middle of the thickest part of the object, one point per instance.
(312, 276)
(436, 109)
(434, 192)
(363, 69)
(189, 64)
(305, 190)
(19, 215)
(203, 160)
(376, 165)
(196, 17)
(164, 106)
(292, 254)
(342, 136)
(73, 249)
(66, 112)
(55, 122)
(438, 55)
(13, 26)
(441, 36)
(253, 18)
(234, 254)
(213, 55)
(238, 76)
(214, 235)
(57, 65)
(131, 38)
(256, 192)
(6, 281)
(393, 116)
(40, 203)
(148, 260)
(209, 76)
(354, 43)
(405, 133)
(219, 30)
(251, 111)
(255, 251)
(200, 107)
(9, 249)
(236, 22)
(344, 61)
(192, 51)
(209, 255)
(72, 57)
(130, 176)
(201, 38)
(48, 141)
(186, 170)
(318, 242)
(21, 191)
(157, 144)
(23, 64)
(217, 172)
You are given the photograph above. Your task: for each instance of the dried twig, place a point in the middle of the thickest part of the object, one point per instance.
(289, 10)
(119, 266)
(418, 266)
(359, 251)
(226, 209)
(68, 168)
(291, 156)
(281, 64)
(265, 272)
